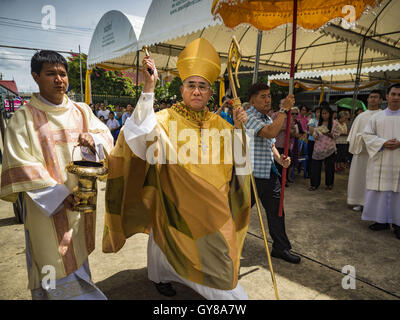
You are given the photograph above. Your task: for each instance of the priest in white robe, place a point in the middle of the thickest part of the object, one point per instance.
(358, 168)
(39, 142)
(382, 140)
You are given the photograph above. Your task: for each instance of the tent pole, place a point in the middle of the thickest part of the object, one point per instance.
(291, 91)
(360, 59)
(257, 62)
(80, 73)
(137, 78)
(358, 76)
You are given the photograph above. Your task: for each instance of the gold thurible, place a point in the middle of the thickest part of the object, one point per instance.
(87, 173)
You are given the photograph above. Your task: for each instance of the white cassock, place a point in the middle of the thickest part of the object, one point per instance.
(382, 199)
(357, 176)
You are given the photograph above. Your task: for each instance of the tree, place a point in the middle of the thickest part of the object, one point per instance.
(103, 81)
(162, 92)
(174, 88)
(279, 92)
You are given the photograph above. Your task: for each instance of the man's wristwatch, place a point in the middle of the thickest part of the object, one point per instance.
(281, 110)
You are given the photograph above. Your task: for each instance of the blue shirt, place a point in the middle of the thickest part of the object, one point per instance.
(227, 117)
(312, 123)
(263, 157)
(125, 116)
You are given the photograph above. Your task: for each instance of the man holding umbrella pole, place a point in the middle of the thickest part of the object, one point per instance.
(265, 173)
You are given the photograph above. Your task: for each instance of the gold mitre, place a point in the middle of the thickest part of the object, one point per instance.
(199, 58)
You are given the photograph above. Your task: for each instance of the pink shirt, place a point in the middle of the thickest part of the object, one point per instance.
(304, 122)
(325, 146)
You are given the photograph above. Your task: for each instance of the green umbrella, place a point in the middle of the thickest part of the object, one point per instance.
(348, 104)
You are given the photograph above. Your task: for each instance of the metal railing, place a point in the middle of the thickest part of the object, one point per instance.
(107, 99)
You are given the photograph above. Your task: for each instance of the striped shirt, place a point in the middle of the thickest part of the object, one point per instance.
(263, 157)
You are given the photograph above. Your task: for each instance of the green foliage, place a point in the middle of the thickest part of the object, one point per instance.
(279, 93)
(174, 88)
(245, 84)
(102, 81)
(116, 84)
(162, 92)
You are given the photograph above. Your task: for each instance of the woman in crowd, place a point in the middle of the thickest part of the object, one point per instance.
(312, 123)
(280, 142)
(324, 148)
(294, 146)
(302, 117)
(342, 145)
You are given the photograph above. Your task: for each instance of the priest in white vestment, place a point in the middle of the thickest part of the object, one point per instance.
(39, 142)
(382, 140)
(358, 169)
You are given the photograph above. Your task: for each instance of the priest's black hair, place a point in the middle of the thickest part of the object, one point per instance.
(49, 56)
(395, 85)
(377, 92)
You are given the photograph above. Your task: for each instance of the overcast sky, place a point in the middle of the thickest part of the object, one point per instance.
(75, 21)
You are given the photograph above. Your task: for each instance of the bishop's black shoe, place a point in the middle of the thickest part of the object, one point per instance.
(165, 289)
(285, 255)
(379, 226)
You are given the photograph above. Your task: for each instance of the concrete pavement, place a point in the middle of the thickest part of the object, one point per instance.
(322, 228)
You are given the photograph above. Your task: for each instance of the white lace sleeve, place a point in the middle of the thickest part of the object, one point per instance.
(141, 123)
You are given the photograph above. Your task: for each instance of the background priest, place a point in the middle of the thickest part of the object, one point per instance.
(382, 139)
(358, 168)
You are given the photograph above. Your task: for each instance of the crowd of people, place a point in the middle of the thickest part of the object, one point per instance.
(196, 215)
(115, 117)
(318, 136)
(340, 141)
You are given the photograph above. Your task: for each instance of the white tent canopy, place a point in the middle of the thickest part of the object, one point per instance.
(337, 72)
(114, 43)
(115, 40)
(170, 19)
(169, 26)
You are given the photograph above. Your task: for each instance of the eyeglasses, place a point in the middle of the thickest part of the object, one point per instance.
(203, 88)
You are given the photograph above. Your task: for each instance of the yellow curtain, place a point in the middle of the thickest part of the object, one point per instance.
(221, 90)
(321, 97)
(297, 84)
(367, 85)
(323, 85)
(88, 89)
